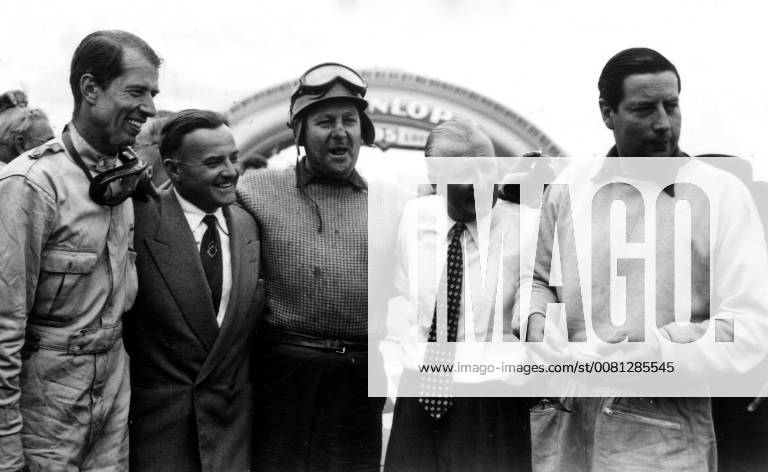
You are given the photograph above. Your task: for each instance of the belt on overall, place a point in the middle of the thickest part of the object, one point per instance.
(82, 341)
(324, 344)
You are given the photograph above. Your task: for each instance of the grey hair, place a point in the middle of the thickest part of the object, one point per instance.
(14, 122)
(464, 134)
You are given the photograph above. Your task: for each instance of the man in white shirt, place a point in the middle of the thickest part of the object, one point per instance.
(199, 299)
(439, 433)
(615, 431)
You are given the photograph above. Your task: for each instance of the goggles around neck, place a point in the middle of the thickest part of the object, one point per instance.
(114, 186)
(321, 77)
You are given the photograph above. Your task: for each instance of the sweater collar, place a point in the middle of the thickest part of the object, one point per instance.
(305, 177)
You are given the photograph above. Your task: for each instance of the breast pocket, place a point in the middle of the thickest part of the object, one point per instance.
(61, 284)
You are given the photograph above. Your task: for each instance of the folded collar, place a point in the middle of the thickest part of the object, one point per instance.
(195, 215)
(608, 167)
(95, 160)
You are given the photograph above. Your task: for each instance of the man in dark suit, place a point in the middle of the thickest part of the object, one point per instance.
(199, 298)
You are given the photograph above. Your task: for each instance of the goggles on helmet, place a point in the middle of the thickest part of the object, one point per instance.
(320, 78)
(324, 82)
(114, 186)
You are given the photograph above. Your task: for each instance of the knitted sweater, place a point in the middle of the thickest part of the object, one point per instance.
(314, 253)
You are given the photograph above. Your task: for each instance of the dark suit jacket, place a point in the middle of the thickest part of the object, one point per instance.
(192, 401)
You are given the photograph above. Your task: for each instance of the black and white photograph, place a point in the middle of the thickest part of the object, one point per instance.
(383, 235)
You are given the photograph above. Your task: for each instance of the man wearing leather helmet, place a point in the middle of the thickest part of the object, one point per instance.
(312, 408)
(69, 269)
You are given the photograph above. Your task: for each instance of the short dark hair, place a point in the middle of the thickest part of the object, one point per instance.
(183, 123)
(630, 62)
(101, 55)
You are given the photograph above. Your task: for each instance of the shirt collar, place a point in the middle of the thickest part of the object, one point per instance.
(304, 177)
(608, 168)
(195, 216)
(472, 226)
(614, 152)
(471, 229)
(94, 159)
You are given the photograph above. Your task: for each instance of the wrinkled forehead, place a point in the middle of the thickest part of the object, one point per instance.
(138, 70)
(331, 107)
(463, 170)
(662, 84)
(480, 146)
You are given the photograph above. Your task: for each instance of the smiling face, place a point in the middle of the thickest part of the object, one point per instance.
(119, 110)
(646, 122)
(332, 137)
(204, 169)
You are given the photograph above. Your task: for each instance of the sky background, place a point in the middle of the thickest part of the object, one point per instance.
(539, 58)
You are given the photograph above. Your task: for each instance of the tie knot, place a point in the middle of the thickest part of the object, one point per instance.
(457, 229)
(210, 220)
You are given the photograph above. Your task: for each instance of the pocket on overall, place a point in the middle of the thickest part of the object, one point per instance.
(60, 291)
(640, 434)
(546, 418)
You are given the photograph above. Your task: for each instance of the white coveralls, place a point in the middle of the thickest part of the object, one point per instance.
(67, 274)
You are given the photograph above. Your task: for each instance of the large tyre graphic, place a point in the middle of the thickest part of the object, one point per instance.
(404, 107)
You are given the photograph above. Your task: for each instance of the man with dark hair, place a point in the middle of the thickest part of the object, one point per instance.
(630, 62)
(312, 406)
(470, 433)
(639, 102)
(66, 248)
(189, 332)
(101, 55)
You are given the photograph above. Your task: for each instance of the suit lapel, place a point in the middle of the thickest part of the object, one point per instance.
(175, 253)
(244, 254)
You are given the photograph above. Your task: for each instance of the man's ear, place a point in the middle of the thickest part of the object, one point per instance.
(173, 169)
(89, 89)
(607, 112)
(19, 144)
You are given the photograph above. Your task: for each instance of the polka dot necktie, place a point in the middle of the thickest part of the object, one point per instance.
(210, 254)
(436, 387)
